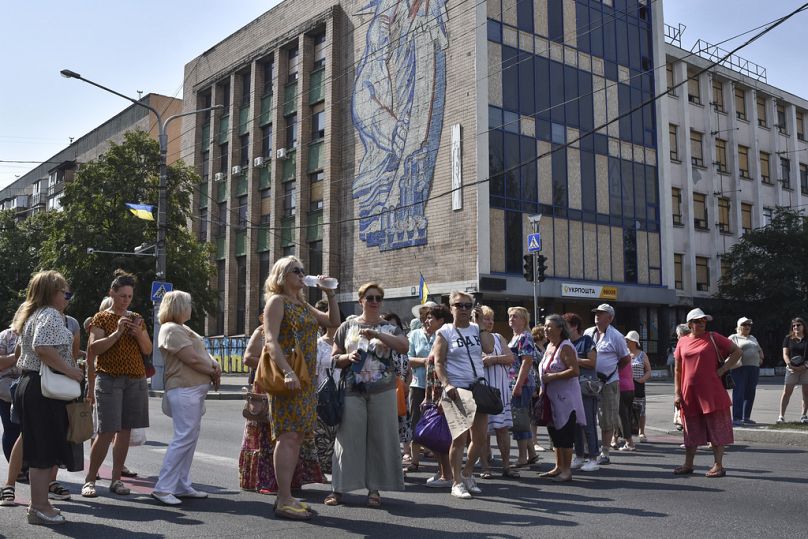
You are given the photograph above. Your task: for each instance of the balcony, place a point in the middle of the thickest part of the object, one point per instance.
(316, 153)
(221, 253)
(205, 136)
(287, 231)
(290, 98)
(221, 192)
(317, 86)
(241, 243)
(314, 230)
(241, 187)
(203, 195)
(265, 177)
(38, 199)
(289, 166)
(264, 236)
(266, 110)
(244, 120)
(224, 128)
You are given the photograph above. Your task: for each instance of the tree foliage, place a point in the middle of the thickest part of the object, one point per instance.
(95, 216)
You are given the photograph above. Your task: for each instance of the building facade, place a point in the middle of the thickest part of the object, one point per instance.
(41, 188)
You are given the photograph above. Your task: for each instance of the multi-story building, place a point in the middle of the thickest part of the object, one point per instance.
(41, 188)
(383, 140)
(735, 150)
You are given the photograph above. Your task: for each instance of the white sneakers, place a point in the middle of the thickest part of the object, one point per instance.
(193, 493)
(436, 482)
(459, 491)
(166, 497)
(781, 419)
(577, 462)
(590, 466)
(471, 484)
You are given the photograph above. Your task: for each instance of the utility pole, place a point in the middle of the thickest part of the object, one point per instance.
(534, 247)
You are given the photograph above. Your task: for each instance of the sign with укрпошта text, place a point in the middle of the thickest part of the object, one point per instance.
(573, 290)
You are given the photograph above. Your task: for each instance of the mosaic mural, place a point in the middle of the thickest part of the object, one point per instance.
(397, 110)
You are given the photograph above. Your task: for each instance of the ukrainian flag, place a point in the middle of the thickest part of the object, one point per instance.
(141, 211)
(423, 290)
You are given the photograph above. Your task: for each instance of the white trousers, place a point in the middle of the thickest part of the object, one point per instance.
(187, 404)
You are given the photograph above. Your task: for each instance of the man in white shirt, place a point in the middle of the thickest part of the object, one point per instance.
(612, 354)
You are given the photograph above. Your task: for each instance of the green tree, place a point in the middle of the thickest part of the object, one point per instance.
(95, 216)
(767, 278)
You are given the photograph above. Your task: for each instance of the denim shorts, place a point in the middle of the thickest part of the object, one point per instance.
(122, 402)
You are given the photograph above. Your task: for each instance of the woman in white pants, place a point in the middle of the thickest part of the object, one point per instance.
(189, 371)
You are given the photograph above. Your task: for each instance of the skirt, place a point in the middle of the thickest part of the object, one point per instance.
(324, 436)
(44, 426)
(497, 377)
(715, 427)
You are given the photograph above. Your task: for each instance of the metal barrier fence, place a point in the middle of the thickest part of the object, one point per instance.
(228, 351)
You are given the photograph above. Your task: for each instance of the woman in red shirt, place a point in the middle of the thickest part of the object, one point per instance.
(699, 393)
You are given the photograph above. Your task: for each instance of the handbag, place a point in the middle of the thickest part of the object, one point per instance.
(521, 419)
(726, 380)
(488, 399)
(256, 407)
(543, 411)
(270, 378)
(331, 399)
(58, 386)
(401, 397)
(79, 421)
(798, 361)
(590, 387)
(432, 430)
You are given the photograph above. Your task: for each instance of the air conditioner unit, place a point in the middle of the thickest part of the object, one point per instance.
(280, 153)
(236, 170)
(258, 162)
(218, 177)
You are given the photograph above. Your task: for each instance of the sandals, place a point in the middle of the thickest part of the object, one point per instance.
(681, 470)
(88, 490)
(57, 492)
(118, 488)
(721, 472)
(549, 474)
(411, 467)
(7, 497)
(508, 473)
(292, 512)
(487, 475)
(126, 472)
(333, 499)
(374, 499)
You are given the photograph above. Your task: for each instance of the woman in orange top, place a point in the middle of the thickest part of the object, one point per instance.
(118, 340)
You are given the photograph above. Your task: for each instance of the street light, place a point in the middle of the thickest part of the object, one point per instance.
(162, 202)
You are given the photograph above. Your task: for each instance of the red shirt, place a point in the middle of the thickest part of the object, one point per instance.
(702, 390)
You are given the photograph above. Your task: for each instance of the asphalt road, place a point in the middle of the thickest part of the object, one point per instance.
(637, 496)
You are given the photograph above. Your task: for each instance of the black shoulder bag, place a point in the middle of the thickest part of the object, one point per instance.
(487, 398)
(331, 399)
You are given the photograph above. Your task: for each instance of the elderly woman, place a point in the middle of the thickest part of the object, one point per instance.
(289, 323)
(366, 452)
(641, 372)
(559, 382)
(118, 340)
(458, 352)
(746, 374)
(699, 393)
(795, 345)
(522, 379)
(189, 371)
(586, 437)
(44, 338)
(496, 374)
(435, 319)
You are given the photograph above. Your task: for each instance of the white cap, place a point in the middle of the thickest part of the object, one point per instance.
(416, 311)
(604, 308)
(633, 336)
(697, 313)
(742, 320)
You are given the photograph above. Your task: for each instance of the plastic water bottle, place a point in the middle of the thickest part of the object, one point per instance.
(329, 282)
(362, 348)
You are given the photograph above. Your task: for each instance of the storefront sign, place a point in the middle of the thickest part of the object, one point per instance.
(573, 290)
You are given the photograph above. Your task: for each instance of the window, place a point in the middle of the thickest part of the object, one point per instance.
(242, 212)
(746, 217)
(241, 294)
(804, 178)
(723, 215)
(761, 111)
(702, 274)
(289, 199)
(721, 155)
(785, 173)
(266, 141)
(700, 211)
(294, 61)
(767, 216)
(718, 96)
(781, 119)
(245, 89)
(318, 122)
(743, 161)
(697, 156)
(800, 125)
(678, 273)
(202, 232)
(221, 220)
(693, 94)
(740, 103)
(205, 166)
(319, 51)
(764, 168)
(269, 74)
(316, 191)
(676, 203)
(244, 151)
(223, 158)
(221, 283)
(669, 75)
(673, 131)
(726, 267)
(291, 131)
(225, 95)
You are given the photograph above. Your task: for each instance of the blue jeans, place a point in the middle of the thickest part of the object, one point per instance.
(743, 395)
(10, 430)
(590, 431)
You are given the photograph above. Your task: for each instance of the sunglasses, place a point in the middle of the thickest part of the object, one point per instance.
(797, 326)
(463, 306)
(298, 271)
(68, 295)
(699, 320)
(746, 325)
(374, 299)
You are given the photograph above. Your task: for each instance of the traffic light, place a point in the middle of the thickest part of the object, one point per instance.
(541, 268)
(528, 268)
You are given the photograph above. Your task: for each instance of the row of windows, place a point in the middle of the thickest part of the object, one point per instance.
(700, 214)
(702, 271)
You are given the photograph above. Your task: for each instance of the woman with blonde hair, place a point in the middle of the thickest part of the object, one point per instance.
(189, 372)
(44, 339)
(523, 380)
(289, 323)
(366, 452)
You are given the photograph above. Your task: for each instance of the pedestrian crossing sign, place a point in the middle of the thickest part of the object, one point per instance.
(160, 289)
(534, 242)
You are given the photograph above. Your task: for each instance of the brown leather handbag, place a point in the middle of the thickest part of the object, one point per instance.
(269, 377)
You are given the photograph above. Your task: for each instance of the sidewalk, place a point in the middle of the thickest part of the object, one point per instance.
(659, 413)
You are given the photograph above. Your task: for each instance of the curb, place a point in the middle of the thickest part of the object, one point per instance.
(761, 435)
(211, 396)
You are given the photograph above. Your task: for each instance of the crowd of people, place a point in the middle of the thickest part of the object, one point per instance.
(586, 385)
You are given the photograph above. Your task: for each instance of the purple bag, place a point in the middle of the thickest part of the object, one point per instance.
(432, 430)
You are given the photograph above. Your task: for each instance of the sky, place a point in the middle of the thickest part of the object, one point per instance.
(144, 45)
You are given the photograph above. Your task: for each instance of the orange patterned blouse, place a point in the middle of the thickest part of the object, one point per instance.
(124, 357)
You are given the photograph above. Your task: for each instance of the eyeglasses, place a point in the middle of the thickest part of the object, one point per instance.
(463, 306)
(699, 320)
(298, 271)
(68, 295)
(374, 299)
(746, 325)
(796, 326)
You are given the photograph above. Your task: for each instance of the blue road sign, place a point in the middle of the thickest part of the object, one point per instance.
(534, 242)
(160, 289)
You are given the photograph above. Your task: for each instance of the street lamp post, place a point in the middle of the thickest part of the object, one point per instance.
(162, 204)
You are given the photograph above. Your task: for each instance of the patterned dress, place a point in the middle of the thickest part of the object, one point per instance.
(498, 377)
(402, 364)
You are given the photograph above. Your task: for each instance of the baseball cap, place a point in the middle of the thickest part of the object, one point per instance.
(697, 313)
(742, 320)
(604, 308)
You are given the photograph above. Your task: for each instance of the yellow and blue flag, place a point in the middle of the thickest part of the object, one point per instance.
(423, 290)
(141, 211)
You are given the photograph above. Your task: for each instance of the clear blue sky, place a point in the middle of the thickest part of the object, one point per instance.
(144, 45)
